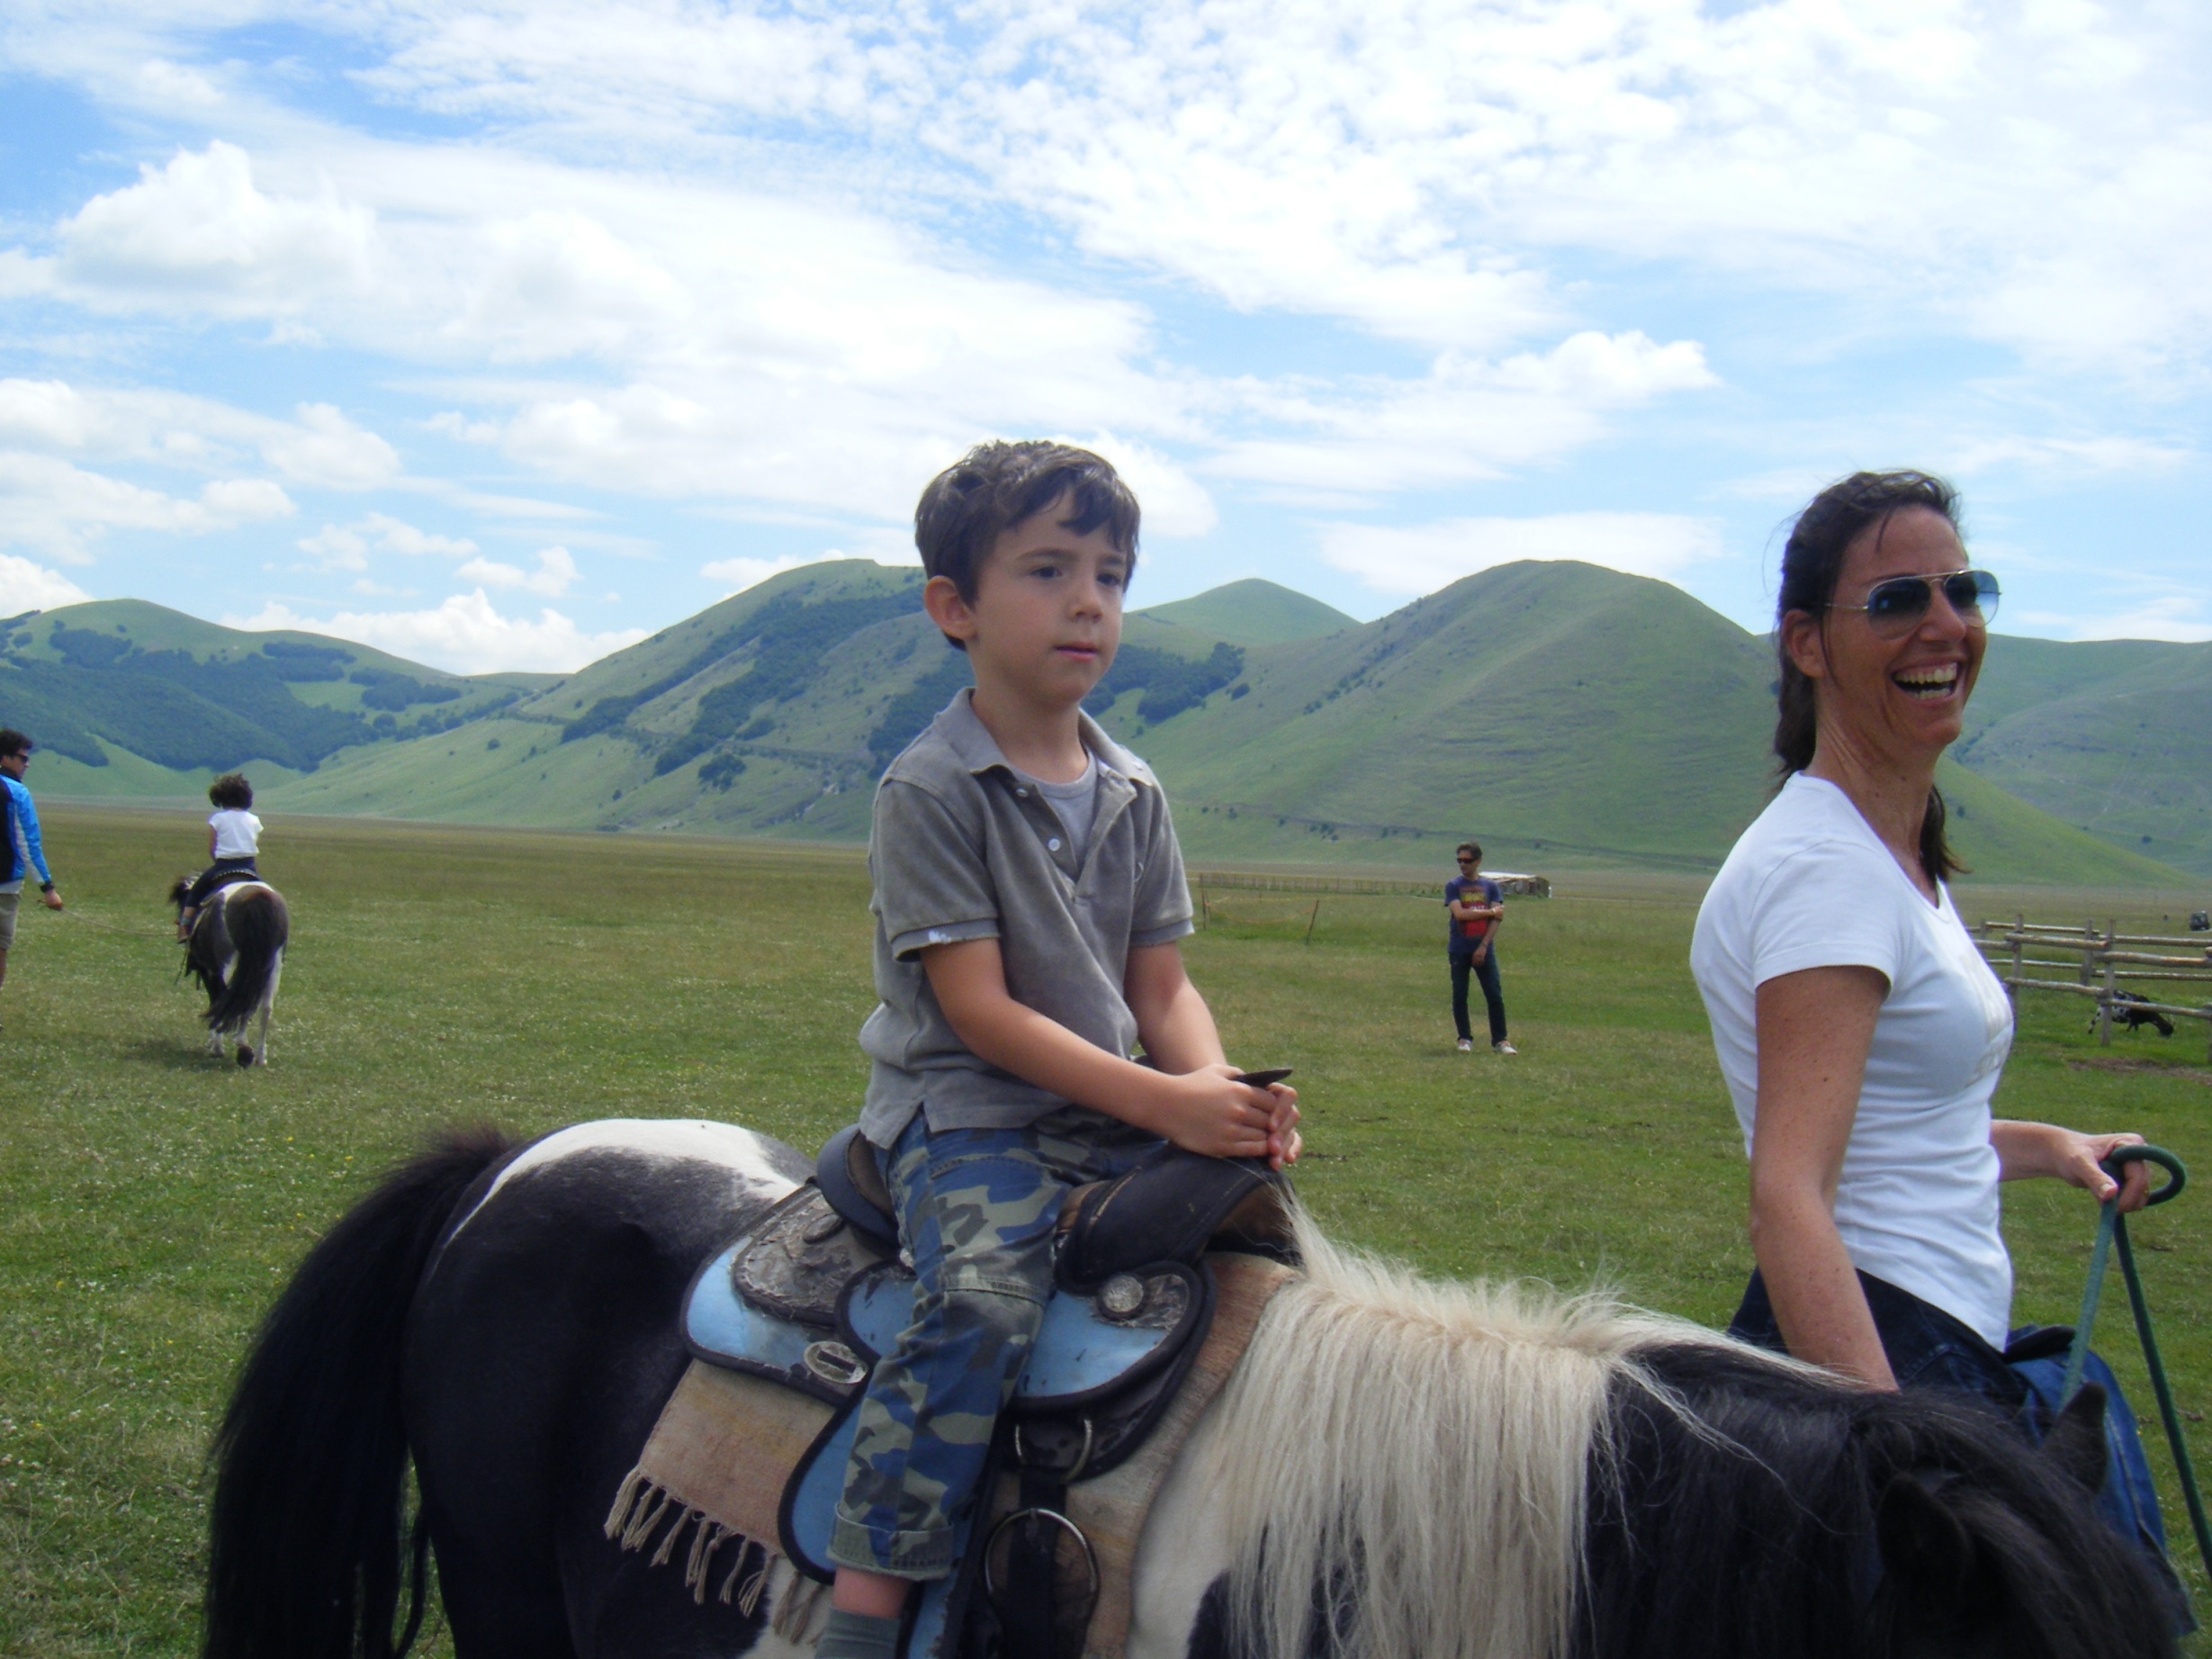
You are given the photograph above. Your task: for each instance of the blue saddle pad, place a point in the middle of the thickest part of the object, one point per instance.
(1090, 1347)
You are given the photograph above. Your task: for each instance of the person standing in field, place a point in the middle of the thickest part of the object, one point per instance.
(19, 830)
(1476, 905)
(1028, 895)
(233, 844)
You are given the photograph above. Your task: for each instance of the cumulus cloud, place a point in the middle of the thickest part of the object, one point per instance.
(48, 504)
(1468, 418)
(25, 586)
(320, 447)
(198, 234)
(347, 547)
(555, 573)
(1421, 558)
(466, 634)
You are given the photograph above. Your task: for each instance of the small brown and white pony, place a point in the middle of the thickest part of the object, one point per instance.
(237, 952)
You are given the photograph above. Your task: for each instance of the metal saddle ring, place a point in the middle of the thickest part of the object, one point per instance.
(1089, 1555)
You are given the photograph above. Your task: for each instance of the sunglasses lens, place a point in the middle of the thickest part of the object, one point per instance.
(1897, 604)
(1973, 594)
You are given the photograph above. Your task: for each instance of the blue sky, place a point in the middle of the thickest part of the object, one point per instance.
(498, 335)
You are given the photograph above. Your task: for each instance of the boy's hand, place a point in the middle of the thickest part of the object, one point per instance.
(1209, 1112)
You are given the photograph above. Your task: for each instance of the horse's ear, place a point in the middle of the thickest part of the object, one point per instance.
(1929, 1550)
(2076, 1443)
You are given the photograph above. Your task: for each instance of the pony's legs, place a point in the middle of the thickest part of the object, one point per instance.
(268, 1008)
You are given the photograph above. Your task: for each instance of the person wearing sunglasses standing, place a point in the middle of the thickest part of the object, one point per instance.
(1476, 905)
(1860, 1031)
(22, 850)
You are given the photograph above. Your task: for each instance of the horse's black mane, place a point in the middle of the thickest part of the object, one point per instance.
(1773, 1553)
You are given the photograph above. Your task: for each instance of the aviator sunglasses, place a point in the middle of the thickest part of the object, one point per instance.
(1897, 606)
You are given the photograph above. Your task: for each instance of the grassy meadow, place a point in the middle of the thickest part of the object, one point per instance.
(152, 1200)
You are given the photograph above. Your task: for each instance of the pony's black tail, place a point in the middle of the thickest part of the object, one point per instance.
(260, 926)
(304, 1549)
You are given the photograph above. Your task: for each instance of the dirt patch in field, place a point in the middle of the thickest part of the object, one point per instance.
(2164, 1069)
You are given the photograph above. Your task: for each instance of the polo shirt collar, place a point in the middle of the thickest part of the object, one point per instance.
(979, 751)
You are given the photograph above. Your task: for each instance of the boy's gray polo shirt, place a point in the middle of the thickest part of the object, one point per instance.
(963, 848)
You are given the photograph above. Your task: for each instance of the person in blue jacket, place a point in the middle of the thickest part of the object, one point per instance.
(20, 846)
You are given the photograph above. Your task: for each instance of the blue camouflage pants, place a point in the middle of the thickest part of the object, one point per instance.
(977, 1209)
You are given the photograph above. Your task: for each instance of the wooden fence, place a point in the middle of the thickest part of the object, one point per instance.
(1370, 887)
(1205, 883)
(2098, 959)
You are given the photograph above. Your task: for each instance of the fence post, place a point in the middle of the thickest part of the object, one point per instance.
(2104, 1003)
(1310, 920)
(2088, 966)
(2019, 964)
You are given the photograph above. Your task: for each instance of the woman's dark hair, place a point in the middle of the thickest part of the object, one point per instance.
(1811, 563)
(995, 486)
(231, 792)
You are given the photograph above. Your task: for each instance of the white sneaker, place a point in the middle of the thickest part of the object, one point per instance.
(1505, 1048)
(1467, 1045)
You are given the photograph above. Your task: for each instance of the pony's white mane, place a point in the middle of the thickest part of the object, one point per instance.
(1418, 1451)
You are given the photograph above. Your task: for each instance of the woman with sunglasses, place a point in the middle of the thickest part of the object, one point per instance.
(1860, 1031)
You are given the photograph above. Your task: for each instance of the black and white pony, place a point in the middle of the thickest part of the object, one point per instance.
(1400, 1469)
(236, 953)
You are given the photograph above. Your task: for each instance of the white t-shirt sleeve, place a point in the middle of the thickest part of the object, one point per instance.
(1829, 904)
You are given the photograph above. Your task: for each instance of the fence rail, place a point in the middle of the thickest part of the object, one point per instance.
(2101, 961)
(1357, 886)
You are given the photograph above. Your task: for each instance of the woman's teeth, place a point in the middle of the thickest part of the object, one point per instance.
(1934, 681)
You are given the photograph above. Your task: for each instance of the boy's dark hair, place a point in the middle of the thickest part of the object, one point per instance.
(1469, 848)
(231, 792)
(13, 743)
(995, 486)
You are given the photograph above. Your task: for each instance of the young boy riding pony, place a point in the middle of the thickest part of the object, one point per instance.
(1028, 895)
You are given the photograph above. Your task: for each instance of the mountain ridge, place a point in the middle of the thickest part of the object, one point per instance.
(1561, 712)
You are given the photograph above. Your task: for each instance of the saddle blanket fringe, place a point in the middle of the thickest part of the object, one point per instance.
(715, 1467)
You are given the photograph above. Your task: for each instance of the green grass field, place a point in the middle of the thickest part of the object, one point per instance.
(152, 1201)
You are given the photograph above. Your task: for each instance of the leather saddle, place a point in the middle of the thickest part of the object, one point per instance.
(813, 1294)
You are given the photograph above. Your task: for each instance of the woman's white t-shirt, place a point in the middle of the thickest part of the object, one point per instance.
(237, 835)
(1811, 885)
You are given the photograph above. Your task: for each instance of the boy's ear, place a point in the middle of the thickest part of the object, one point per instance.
(940, 597)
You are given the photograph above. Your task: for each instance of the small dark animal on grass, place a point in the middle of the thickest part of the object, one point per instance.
(1400, 1469)
(236, 953)
(2135, 1017)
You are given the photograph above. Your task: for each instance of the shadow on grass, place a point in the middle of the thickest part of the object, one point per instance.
(182, 1052)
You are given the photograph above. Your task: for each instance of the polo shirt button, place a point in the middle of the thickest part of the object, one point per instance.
(1024, 794)
(1053, 845)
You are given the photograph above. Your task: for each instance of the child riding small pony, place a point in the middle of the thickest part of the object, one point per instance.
(233, 838)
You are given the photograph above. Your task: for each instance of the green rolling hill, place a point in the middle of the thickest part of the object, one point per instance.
(2114, 736)
(128, 699)
(1254, 612)
(1563, 714)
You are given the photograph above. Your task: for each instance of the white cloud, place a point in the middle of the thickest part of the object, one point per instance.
(346, 547)
(51, 505)
(25, 586)
(466, 634)
(1422, 558)
(320, 447)
(555, 574)
(330, 450)
(199, 235)
(2179, 618)
(1468, 419)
